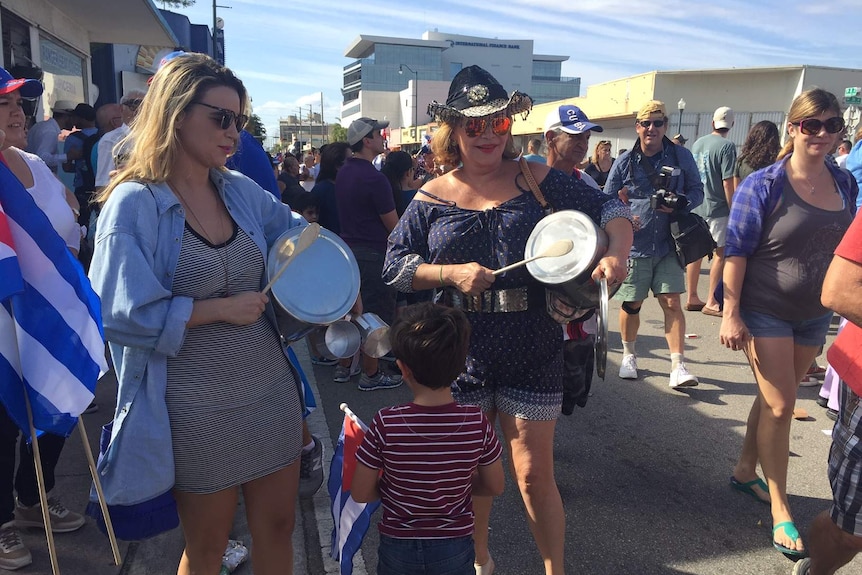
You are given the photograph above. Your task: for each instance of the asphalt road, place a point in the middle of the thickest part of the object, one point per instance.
(643, 470)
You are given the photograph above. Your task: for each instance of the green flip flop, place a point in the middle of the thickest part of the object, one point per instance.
(748, 487)
(793, 533)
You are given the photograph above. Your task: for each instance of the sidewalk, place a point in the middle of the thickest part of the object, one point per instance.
(88, 551)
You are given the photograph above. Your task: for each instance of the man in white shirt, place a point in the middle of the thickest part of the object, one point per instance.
(43, 138)
(110, 157)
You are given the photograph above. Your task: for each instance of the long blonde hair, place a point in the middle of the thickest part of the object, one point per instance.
(807, 105)
(153, 136)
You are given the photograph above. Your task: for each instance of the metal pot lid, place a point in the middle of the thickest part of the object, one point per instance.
(565, 224)
(601, 346)
(322, 282)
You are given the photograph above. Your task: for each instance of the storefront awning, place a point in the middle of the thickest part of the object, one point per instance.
(119, 21)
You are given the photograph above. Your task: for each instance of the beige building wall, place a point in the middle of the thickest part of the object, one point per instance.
(755, 94)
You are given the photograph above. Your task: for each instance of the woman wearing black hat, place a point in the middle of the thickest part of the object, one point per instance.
(459, 228)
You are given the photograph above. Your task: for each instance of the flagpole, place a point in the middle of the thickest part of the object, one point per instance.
(353, 417)
(115, 549)
(37, 460)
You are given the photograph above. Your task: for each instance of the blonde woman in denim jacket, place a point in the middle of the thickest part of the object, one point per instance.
(207, 400)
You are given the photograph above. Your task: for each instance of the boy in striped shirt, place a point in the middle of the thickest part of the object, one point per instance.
(433, 453)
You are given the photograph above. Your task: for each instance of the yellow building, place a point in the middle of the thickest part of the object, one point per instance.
(755, 94)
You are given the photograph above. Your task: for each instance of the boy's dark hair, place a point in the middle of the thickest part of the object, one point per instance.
(432, 340)
(305, 201)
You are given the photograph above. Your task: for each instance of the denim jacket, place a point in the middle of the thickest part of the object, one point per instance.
(137, 248)
(653, 238)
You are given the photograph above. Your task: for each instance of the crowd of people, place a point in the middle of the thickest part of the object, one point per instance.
(209, 401)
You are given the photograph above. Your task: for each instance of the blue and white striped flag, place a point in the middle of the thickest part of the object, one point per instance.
(350, 519)
(51, 340)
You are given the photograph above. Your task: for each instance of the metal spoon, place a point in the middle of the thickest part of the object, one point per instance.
(556, 249)
(306, 238)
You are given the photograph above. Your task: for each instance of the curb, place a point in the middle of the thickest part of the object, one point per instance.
(319, 517)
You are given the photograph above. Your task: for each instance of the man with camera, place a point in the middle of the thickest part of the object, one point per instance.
(658, 179)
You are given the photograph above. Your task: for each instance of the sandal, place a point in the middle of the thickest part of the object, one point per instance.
(791, 531)
(748, 488)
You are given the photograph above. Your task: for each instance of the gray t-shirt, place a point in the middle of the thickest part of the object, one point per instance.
(784, 275)
(716, 160)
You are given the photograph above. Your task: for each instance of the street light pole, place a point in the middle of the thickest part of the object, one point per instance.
(415, 98)
(681, 107)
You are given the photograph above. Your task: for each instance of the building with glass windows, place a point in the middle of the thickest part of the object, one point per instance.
(396, 78)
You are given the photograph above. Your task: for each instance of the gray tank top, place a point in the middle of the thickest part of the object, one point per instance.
(784, 276)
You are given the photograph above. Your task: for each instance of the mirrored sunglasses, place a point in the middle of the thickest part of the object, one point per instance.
(812, 126)
(225, 118)
(475, 127)
(647, 123)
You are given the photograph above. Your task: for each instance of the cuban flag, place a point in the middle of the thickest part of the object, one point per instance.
(350, 519)
(51, 341)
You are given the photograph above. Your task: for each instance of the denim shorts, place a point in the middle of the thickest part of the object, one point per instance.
(810, 332)
(453, 556)
(845, 464)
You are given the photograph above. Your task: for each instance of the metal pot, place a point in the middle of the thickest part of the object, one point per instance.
(375, 334)
(338, 340)
(318, 288)
(569, 274)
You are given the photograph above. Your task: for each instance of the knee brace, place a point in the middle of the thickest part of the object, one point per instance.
(629, 309)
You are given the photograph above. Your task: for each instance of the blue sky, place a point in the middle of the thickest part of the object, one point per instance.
(287, 53)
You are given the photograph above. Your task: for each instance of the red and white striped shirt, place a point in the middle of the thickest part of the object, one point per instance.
(428, 456)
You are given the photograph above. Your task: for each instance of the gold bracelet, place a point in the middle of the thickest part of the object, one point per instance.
(442, 283)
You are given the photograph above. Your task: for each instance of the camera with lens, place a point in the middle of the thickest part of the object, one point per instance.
(662, 197)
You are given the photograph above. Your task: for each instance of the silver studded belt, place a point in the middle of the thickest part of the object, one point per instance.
(491, 301)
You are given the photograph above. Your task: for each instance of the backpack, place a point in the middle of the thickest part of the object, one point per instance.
(88, 170)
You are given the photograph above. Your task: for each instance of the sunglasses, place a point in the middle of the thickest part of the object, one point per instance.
(133, 104)
(647, 123)
(812, 126)
(225, 118)
(476, 126)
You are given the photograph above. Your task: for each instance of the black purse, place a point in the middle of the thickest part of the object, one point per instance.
(692, 238)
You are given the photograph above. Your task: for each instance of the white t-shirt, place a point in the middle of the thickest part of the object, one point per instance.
(50, 195)
(106, 154)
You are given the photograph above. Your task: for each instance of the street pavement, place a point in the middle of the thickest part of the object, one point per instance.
(643, 471)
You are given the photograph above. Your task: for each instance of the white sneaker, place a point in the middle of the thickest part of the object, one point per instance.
(629, 367)
(680, 377)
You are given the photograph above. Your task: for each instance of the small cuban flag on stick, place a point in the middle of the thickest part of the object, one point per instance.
(350, 519)
(52, 348)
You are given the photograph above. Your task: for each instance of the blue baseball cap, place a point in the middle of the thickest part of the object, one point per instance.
(571, 120)
(29, 88)
(165, 59)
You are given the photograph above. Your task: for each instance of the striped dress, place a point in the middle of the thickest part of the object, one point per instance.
(428, 455)
(233, 402)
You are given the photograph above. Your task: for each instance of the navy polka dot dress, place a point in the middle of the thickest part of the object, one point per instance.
(520, 352)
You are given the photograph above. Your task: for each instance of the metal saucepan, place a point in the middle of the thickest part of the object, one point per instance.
(601, 345)
(569, 273)
(375, 334)
(338, 340)
(318, 288)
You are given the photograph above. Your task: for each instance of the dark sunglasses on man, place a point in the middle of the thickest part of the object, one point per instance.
(133, 104)
(812, 126)
(224, 118)
(645, 124)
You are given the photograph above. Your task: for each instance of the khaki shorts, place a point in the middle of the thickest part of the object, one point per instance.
(659, 275)
(718, 229)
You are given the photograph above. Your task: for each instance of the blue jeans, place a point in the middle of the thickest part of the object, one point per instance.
(425, 556)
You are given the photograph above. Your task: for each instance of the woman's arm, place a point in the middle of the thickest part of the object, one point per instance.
(733, 333)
